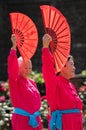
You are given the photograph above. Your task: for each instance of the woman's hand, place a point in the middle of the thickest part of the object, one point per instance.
(46, 40)
(14, 41)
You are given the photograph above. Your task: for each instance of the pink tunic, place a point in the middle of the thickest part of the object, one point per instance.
(24, 94)
(61, 94)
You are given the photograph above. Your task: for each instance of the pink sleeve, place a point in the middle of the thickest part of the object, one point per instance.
(48, 71)
(12, 65)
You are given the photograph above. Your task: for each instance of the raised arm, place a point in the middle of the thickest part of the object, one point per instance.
(47, 58)
(12, 60)
(48, 68)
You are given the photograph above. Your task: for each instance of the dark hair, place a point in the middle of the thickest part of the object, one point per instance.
(70, 57)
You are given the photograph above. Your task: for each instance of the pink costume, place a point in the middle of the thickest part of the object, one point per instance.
(61, 94)
(24, 95)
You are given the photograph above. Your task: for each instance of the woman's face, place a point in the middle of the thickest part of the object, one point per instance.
(25, 69)
(69, 69)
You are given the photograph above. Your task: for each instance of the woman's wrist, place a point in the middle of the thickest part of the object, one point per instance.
(45, 47)
(13, 47)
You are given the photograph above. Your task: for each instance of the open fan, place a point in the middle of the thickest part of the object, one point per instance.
(55, 24)
(26, 32)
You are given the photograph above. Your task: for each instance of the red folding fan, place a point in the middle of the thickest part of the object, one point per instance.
(26, 32)
(55, 24)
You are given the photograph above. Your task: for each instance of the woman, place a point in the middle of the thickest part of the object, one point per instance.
(24, 94)
(65, 104)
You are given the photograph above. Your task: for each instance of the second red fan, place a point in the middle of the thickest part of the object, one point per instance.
(56, 25)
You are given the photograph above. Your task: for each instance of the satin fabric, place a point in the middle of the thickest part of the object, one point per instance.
(61, 94)
(23, 93)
